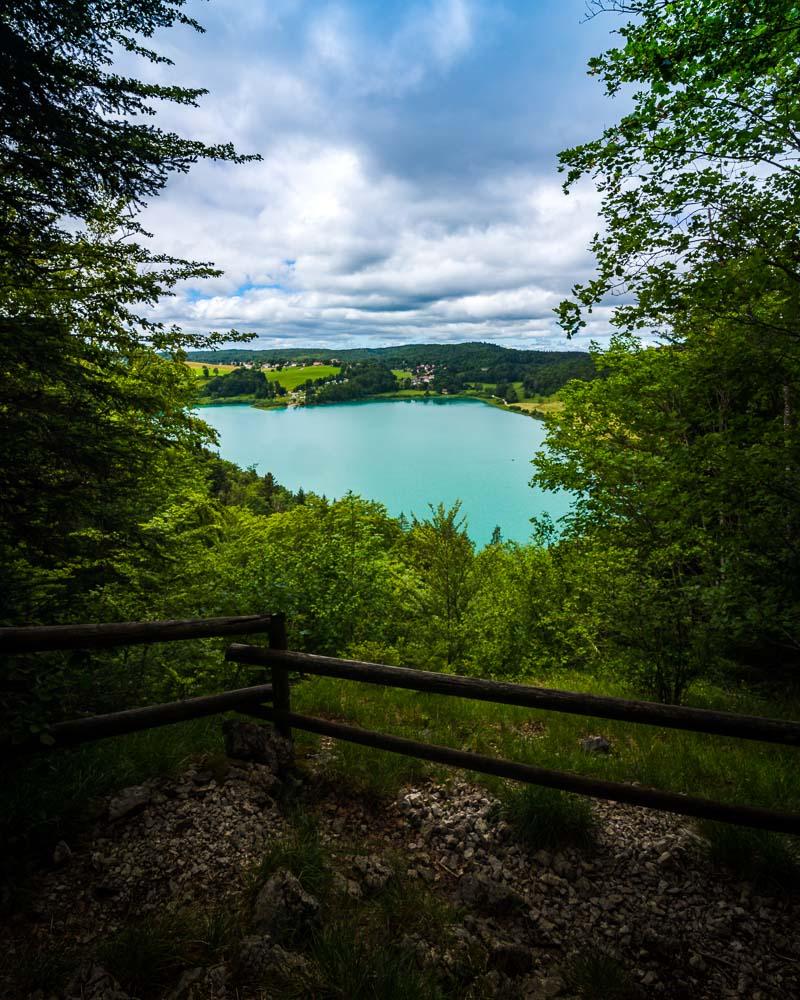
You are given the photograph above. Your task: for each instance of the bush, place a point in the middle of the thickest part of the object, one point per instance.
(596, 975)
(545, 817)
(768, 859)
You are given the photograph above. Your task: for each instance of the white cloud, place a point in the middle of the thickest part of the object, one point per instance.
(325, 239)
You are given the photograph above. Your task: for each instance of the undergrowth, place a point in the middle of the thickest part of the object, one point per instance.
(147, 956)
(302, 853)
(770, 860)
(52, 795)
(596, 975)
(545, 817)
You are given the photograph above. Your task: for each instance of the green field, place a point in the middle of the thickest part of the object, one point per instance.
(548, 406)
(290, 378)
(198, 366)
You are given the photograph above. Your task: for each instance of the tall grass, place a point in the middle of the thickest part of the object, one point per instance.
(769, 860)
(302, 853)
(545, 817)
(51, 795)
(596, 975)
(736, 771)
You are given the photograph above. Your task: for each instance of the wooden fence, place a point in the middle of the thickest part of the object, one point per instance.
(272, 701)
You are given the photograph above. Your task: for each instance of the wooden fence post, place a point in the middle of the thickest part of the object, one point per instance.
(280, 677)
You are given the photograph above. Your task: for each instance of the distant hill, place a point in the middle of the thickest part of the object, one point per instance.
(541, 371)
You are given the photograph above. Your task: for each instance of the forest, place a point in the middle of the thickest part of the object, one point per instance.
(458, 365)
(676, 575)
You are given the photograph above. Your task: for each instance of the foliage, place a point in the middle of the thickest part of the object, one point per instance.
(358, 380)
(699, 179)
(441, 547)
(594, 974)
(69, 135)
(456, 365)
(243, 382)
(537, 608)
(546, 817)
(100, 455)
(685, 458)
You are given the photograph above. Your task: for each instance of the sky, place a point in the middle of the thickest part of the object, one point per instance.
(408, 189)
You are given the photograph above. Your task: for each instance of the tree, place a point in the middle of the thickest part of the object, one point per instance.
(92, 416)
(684, 461)
(442, 550)
(700, 179)
(75, 134)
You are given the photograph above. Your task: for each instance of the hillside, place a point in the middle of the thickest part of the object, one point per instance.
(253, 880)
(455, 366)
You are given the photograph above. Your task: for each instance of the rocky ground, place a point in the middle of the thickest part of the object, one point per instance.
(642, 895)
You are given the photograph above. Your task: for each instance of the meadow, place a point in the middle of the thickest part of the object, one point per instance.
(289, 378)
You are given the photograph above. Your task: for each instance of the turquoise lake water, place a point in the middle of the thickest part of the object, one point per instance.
(405, 453)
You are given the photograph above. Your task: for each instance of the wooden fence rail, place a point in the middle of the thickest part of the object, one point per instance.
(616, 791)
(277, 661)
(44, 638)
(748, 727)
(98, 727)
(698, 720)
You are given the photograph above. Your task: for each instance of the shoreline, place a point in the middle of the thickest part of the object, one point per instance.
(387, 397)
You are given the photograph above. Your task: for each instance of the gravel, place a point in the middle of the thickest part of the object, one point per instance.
(643, 894)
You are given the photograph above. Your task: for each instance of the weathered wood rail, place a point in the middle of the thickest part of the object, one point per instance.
(52, 638)
(649, 713)
(277, 663)
(48, 638)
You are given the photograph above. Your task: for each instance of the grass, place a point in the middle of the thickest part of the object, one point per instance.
(147, 957)
(546, 407)
(356, 952)
(35, 968)
(302, 853)
(348, 966)
(545, 817)
(596, 975)
(198, 366)
(53, 795)
(290, 378)
(736, 771)
(769, 860)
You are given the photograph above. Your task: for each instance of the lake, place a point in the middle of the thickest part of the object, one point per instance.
(405, 453)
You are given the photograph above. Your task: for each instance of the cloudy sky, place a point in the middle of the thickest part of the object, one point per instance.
(408, 189)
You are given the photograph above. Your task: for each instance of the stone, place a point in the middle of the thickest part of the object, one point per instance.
(284, 909)
(372, 873)
(255, 957)
(201, 984)
(262, 744)
(128, 802)
(259, 955)
(595, 744)
(511, 958)
(346, 886)
(62, 852)
(92, 982)
(488, 896)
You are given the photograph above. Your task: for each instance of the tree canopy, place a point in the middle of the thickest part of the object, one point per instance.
(700, 180)
(685, 460)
